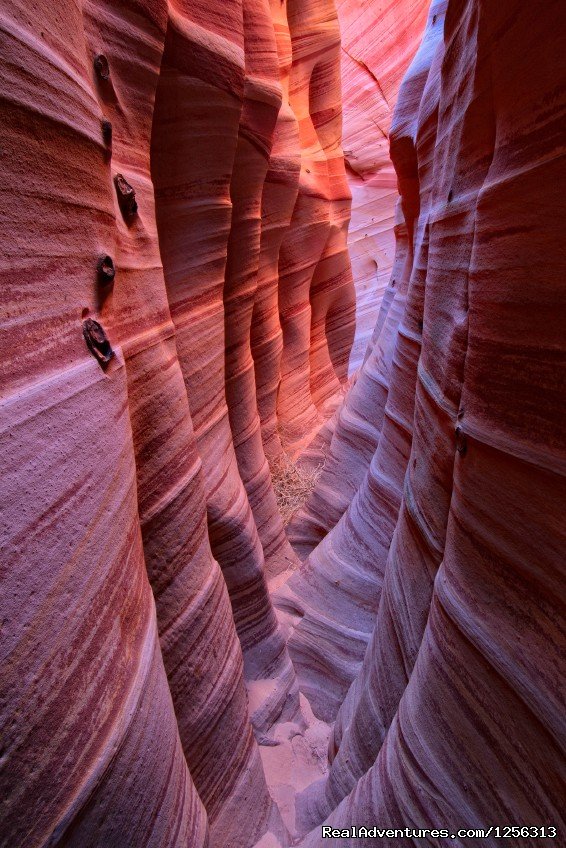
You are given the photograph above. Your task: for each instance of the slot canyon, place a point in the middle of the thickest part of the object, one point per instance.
(283, 456)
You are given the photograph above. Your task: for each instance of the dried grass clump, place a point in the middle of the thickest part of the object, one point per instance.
(292, 485)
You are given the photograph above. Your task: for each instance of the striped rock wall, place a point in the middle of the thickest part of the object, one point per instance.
(153, 165)
(453, 718)
(378, 44)
(177, 311)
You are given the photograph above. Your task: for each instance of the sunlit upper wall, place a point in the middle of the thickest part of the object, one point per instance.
(379, 39)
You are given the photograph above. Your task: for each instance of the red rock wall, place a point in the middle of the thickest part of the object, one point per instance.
(177, 308)
(378, 43)
(278, 200)
(194, 153)
(91, 750)
(454, 719)
(337, 592)
(316, 292)
(153, 173)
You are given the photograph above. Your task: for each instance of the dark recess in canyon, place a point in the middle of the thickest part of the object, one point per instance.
(240, 236)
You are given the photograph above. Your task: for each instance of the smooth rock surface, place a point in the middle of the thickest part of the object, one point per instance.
(178, 312)
(337, 591)
(378, 43)
(455, 717)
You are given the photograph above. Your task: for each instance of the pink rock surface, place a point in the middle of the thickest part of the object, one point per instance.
(316, 294)
(372, 71)
(371, 242)
(188, 98)
(455, 718)
(358, 422)
(336, 593)
(194, 216)
(204, 664)
(198, 640)
(261, 105)
(177, 309)
(91, 751)
(278, 199)
(378, 43)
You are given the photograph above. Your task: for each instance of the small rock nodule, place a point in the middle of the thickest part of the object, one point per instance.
(106, 270)
(102, 67)
(126, 196)
(97, 341)
(107, 132)
(461, 441)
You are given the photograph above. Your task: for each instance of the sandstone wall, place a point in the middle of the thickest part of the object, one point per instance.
(177, 311)
(453, 717)
(144, 144)
(378, 43)
(361, 484)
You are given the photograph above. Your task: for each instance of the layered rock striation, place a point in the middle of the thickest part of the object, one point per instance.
(466, 604)
(178, 315)
(144, 143)
(337, 592)
(378, 43)
(316, 292)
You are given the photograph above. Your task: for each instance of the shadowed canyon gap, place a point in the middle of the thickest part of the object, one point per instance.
(234, 235)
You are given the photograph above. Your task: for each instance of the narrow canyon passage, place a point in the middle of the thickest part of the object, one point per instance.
(282, 444)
